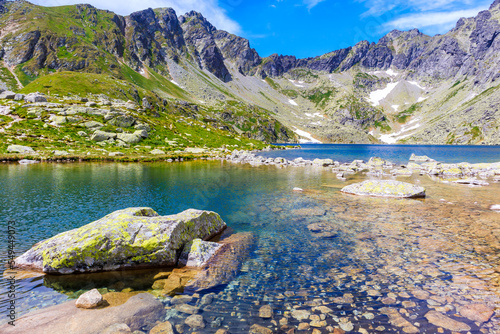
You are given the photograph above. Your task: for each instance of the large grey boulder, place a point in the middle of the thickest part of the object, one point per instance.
(35, 97)
(323, 162)
(93, 125)
(129, 138)
(128, 238)
(19, 149)
(7, 95)
(122, 121)
(142, 126)
(102, 136)
(385, 188)
(58, 120)
(157, 152)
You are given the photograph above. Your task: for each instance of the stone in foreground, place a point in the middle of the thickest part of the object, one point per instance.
(385, 188)
(124, 239)
(90, 299)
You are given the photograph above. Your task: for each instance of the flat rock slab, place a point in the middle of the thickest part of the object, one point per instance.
(385, 188)
(125, 239)
(138, 311)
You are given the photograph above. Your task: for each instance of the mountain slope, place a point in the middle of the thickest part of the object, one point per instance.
(407, 88)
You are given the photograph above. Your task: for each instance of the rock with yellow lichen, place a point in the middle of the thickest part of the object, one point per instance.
(385, 188)
(129, 238)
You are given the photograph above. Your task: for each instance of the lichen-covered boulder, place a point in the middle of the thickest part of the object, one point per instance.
(376, 162)
(129, 238)
(19, 149)
(385, 188)
(102, 136)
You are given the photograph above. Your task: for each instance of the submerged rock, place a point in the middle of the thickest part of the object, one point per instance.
(129, 238)
(477, 312)
(440, 320)
(385, 188)
(163, 328)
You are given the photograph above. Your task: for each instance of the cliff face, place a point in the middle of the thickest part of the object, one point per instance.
(343, 86)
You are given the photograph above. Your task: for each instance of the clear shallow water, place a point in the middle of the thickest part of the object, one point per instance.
(396, 153)
(313, 248)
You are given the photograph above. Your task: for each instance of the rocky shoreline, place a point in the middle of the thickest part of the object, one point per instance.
(461, 173)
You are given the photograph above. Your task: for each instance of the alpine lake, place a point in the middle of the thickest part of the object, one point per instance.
(347, 263)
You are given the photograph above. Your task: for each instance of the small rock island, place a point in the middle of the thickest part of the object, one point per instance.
(385, 188)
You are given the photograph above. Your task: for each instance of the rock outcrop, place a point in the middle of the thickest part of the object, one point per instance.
(385, 188)
(124, 239)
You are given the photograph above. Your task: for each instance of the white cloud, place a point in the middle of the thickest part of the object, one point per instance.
(436, 21)
(312, 3)
(209, 8)
(379, 7)
(431, 16)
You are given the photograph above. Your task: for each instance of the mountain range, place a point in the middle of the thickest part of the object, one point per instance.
(406, 88)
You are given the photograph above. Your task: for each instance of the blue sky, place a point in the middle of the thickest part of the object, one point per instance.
(307, 28)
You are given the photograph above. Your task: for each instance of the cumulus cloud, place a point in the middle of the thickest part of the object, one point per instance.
(209, 8)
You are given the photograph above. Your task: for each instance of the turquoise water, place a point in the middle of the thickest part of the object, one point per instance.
(361, 245)
(396, 153)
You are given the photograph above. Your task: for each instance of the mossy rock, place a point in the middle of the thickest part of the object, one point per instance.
(385, 188)
(129, 238)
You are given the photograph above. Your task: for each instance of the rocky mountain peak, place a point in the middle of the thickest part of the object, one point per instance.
(199, 36)
(495, 4)
(197, 19)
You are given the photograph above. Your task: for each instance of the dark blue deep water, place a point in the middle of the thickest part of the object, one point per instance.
(396, 153)
(318, 247)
